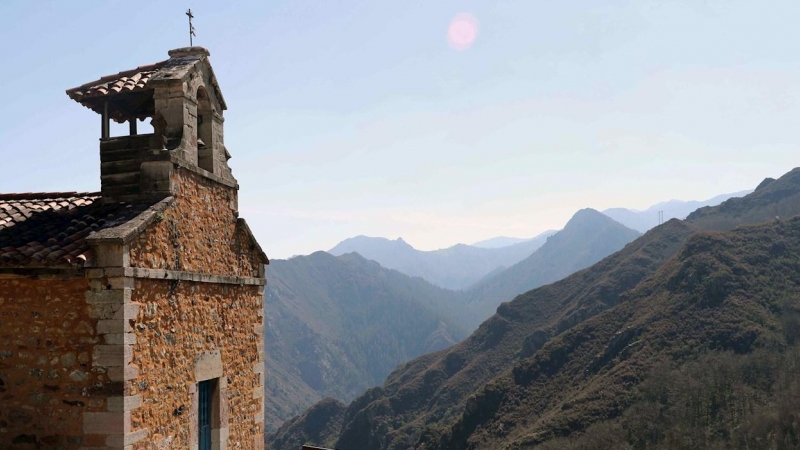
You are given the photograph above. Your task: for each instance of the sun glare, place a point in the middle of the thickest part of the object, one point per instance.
(462, 31)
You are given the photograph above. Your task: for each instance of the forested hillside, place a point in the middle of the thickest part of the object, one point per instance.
(578, 354)
(431, 390)
(336, 326)
(588, 237)
(726, 300)
(771, 199)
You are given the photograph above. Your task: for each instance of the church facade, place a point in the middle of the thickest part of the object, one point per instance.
(132, 318)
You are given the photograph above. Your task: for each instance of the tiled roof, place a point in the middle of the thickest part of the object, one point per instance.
(129, 80)
(137, 83)
(50, 229)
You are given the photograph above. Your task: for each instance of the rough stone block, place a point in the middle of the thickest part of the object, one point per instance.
(106, 422)
(128, 312)
(219, 438)
(127, 403)
(94, 273)
(156, 176)
(111, 355)
(121, 440)
(121, 283)
(120, 339)
(207, 366)
(104, 311)
(127, 373)
(111, 255)
(109, 296)
(113, 326)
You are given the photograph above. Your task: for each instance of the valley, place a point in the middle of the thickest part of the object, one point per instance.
(574, 356)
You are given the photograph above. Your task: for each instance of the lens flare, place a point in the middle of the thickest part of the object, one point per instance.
(462, 31)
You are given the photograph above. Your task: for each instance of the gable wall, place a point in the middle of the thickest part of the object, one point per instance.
(198, 233)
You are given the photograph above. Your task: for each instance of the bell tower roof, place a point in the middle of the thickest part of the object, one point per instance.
(130, 93)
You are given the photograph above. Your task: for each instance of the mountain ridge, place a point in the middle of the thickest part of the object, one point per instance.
(505, 241)
(456, 267)
(643, 220)
(724, 309)
(588, 237)
(298, 383)
(446, 399)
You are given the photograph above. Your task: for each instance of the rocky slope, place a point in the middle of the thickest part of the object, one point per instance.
(493, 389)
(336, 326)
(588, 237)
(723, 294)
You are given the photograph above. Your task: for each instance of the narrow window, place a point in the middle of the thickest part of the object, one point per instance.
(205, 415)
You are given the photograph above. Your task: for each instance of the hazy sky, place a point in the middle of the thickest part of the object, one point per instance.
(350, 118)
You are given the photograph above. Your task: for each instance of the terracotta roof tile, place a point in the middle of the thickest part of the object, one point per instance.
(180, 61)
(129, 80)
(50, 229)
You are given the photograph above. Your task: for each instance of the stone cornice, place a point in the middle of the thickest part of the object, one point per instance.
(162, 274)
(192, 168)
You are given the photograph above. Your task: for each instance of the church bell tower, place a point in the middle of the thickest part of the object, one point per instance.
(183, 102)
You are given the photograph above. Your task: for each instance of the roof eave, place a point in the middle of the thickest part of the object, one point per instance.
(126, 232)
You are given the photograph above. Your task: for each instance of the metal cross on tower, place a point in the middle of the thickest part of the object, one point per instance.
(191, 27)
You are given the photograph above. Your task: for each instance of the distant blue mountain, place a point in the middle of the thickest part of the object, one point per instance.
(504, 241)
(456, 267)
(673, 209)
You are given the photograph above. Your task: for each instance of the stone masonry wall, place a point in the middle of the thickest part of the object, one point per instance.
(47, 337)
(198, 233)
(185, 330)
(178, 322)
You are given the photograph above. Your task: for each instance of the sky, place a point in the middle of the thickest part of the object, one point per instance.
(439, 122)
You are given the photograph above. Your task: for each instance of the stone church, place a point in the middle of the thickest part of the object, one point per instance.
(132, 318)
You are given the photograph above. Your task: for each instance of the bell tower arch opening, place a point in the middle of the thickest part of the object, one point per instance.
(205, 131)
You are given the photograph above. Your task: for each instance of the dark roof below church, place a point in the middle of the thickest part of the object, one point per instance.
(50, 228)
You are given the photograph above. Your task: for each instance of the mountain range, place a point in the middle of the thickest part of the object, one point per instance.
(337, 325)
(455, 267)
(685, 338)
(462, 266)
(673, 209)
